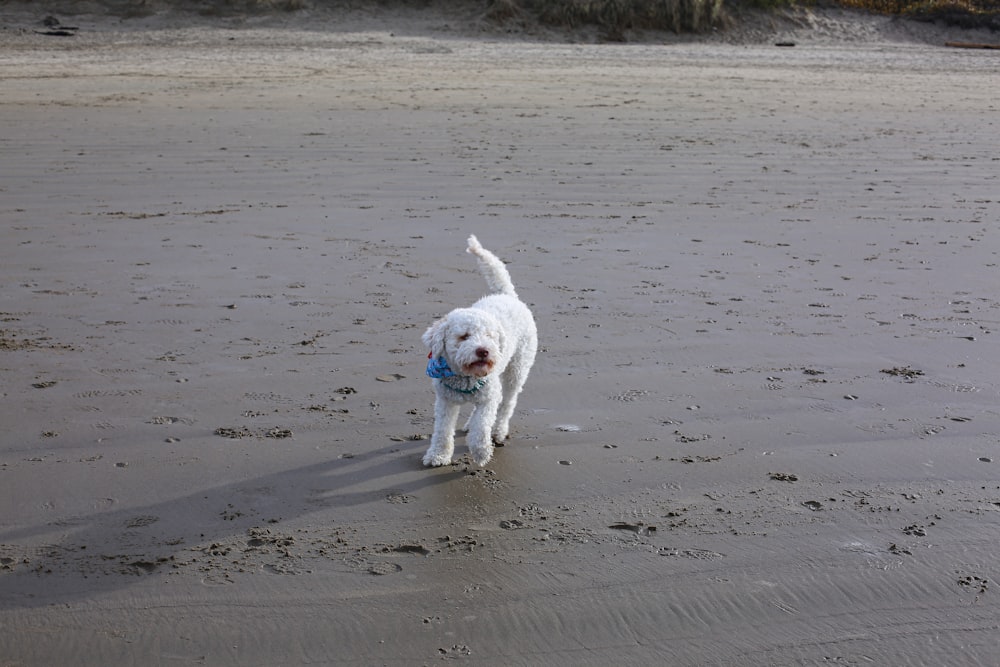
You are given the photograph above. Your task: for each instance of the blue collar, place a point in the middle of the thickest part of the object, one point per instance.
(439, 369)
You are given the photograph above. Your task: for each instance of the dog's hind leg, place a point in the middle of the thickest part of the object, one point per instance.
(512, 381)
(501, 429)
(479, 438)
(443, 440)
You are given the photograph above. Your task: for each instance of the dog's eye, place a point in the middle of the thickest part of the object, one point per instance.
(464, 337)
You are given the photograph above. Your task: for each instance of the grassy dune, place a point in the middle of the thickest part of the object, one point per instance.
(617, 16)
(962, 13)
(614, 18)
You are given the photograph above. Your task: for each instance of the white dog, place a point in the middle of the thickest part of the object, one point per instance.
(479, 355)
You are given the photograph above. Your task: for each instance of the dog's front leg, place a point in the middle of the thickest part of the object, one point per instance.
(480, 438)
(472, 417)
(443, 439)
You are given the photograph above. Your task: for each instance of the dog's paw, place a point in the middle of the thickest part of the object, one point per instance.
(432, 460)
(481, 456)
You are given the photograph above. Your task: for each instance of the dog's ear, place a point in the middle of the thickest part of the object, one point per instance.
(434, 337)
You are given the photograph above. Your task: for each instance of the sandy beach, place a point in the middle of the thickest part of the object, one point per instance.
(762, 429)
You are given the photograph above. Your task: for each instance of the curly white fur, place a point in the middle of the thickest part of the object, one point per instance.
(490, 348)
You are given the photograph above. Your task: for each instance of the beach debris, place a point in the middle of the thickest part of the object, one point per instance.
(972, 45)
(55, 28)
(683, 438)
(161, 420)
(237, 433)
(565, 462)
(698, 554)
(381, 569)
(412, 549)
(233, 433)
(415, 437)
(923, 430)
(143, 566)
(904, 371)
(698, 459)
(639, 528)
(814, 505)
(783, 477)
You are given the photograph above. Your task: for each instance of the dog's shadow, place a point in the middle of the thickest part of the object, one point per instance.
(93, 552)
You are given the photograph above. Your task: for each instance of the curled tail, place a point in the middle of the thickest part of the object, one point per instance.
(492, 269)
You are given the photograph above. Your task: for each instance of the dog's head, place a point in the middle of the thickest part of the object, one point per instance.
(470, 340)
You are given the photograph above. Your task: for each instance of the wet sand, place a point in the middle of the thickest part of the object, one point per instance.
(762, 428)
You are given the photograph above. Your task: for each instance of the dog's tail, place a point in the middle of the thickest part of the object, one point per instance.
(492, 269)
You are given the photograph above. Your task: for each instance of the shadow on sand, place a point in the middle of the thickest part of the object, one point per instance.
(236, 527)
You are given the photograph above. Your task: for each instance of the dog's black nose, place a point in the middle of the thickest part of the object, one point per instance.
(482, 352)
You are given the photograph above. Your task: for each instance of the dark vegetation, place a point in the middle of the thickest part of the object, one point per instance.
(618, 16)
(962, 13)
(614, 18)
